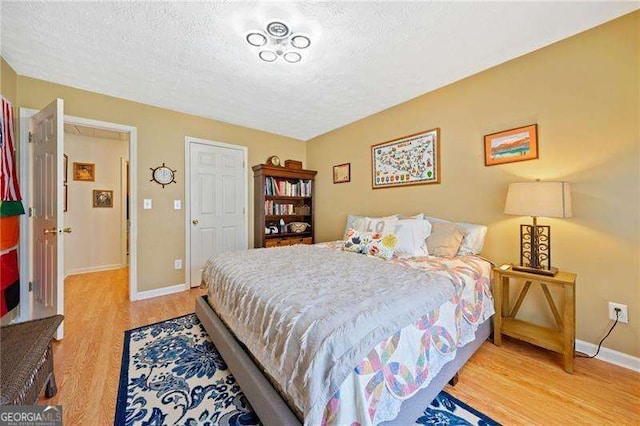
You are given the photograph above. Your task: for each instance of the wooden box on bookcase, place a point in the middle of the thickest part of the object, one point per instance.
(282, 193)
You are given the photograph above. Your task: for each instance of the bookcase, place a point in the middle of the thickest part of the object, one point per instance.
(285, 194)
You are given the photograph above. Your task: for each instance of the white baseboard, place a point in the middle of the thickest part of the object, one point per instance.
(89, 269)
(161, 291)
(609, 355)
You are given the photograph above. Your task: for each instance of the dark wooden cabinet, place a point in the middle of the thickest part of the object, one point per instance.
(285, 194)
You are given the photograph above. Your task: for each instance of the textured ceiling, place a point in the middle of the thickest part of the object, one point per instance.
(94, 132)
(364, 57)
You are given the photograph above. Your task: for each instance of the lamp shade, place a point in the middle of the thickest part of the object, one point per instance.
(539, 199)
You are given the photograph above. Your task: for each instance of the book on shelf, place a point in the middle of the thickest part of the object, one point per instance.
(272, 208)
(285, 188)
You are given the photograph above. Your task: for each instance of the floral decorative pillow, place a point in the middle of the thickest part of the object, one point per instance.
(356, 241)
(370, 243)
(383, 247)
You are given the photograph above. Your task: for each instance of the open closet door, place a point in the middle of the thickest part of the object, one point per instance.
(46, 135)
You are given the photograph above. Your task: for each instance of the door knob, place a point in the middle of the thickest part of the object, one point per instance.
(50, 231)
(195, 221)
(66, 230)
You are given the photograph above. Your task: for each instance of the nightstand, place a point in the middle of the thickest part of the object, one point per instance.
(560, 339)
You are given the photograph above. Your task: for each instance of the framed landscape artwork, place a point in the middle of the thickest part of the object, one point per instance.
(342, 173)
(409, 160)
(513, 145)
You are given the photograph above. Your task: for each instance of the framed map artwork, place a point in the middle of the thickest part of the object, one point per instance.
(409, 160)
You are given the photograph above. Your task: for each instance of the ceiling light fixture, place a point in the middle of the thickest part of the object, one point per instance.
(268, 56)
(277, 29)
(256, 39)
(292, 57)
(300, 42)
(278, 41)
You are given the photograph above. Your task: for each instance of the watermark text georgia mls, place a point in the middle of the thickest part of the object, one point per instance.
(31, 415)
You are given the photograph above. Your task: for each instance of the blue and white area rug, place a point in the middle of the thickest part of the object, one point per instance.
(173, 375)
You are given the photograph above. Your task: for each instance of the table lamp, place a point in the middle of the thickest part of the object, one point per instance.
(537, 199)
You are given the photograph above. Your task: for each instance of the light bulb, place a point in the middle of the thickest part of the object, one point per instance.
(300, 42)
(277, 29)
(292, 57)
(256, 39)
(267, 56)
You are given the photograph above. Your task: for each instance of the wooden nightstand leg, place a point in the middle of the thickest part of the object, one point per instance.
(519, 300)
(569, 329)
(552, 306)
(497, 317)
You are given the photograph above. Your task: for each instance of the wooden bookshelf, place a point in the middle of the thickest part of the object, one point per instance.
(286, 189)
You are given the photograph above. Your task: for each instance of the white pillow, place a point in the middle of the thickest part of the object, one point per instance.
(351, 219)
(473, 239)
(357, 223)
(418, 216)
(412, 235)
(382, 225)
(473, 236)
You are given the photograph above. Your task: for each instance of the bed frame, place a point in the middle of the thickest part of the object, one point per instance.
(272, 409)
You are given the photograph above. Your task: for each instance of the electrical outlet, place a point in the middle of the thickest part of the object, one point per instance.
(177, 264)
(623, 316)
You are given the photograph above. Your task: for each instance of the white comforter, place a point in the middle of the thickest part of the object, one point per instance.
(310, 315)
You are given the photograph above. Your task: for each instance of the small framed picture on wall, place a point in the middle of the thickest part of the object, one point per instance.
(84, 172)
(102, 198)
(342, 173)
(512, 145)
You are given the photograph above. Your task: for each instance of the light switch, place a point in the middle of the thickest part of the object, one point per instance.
(147, 204)
(177, 204)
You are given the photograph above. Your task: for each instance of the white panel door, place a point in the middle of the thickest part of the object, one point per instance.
(217, 204)
(47, 205)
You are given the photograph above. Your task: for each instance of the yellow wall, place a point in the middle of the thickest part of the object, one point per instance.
(161, 133)
(584, 94)
(8, 82)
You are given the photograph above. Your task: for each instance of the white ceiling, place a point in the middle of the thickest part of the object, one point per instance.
(94, 132)
(364, 57)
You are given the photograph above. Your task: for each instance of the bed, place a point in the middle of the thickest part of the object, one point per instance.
(315, 335)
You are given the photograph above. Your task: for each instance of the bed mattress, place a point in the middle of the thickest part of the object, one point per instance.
(347, 337)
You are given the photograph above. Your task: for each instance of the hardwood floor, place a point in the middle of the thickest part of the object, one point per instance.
(515, 384)
(521, 384)
(87, 360)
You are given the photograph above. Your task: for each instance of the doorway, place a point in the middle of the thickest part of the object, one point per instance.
(216, 195)
(27, 307)
(96, 205)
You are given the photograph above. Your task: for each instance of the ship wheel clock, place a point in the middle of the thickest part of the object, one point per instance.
(163, 175)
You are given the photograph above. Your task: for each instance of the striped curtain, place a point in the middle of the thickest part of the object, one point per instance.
(10, 209)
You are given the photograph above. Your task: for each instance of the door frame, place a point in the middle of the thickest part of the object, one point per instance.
(188, 140)
(124, 190)
(25, 225)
